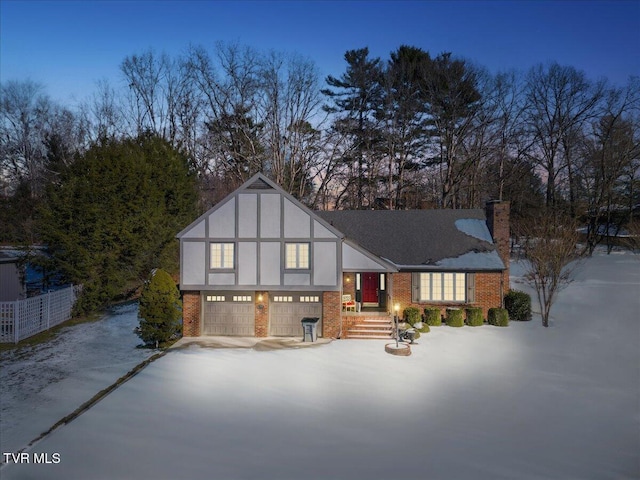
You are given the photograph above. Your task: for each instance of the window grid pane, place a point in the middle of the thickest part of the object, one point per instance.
(297, 256)
(303, 255)
(436, 287)
(290, 254)
(425, 286)
(461, 287)
(447, 286)
(221, 255)
(227, 256)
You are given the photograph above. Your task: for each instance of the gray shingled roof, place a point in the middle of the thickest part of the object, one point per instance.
(420, 237)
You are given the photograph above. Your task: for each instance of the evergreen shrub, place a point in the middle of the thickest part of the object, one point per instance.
(518, 304)
(474, 316)
(498, 317)
(411, 315)
(160, 310)
(422, 327)
(455, 317)
(432, 316)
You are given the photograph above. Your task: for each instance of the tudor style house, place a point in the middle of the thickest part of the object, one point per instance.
(260, 261)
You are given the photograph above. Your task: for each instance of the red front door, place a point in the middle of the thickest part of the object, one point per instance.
(370, 287)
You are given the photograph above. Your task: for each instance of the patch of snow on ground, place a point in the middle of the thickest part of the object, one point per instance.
(487, 402)
(46, 382)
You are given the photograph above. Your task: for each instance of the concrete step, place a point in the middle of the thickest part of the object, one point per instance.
(374, 327)
(368, 337)
(370, 331)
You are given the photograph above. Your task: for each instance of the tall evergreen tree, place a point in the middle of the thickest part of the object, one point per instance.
(356, 97)
(113, 215)
(404, 114)
(453, 100)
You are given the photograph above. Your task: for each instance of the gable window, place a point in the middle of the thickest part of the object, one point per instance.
(222, 255)
(296, 256)
(441, 287)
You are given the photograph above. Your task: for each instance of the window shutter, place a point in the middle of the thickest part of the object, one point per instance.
(415, 287)
(471, 287)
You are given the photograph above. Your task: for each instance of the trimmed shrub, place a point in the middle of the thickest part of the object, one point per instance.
(432, 316)
(474, 316)
(411, 315)
(518, 304)
(498, 317)
(455, 317)
(160, 310)
(421, 327)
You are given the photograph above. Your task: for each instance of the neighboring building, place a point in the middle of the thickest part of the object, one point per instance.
(260, 261)
(11, 285)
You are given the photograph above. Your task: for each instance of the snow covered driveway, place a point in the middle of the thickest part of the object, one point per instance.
(46, 382)
(472, 403)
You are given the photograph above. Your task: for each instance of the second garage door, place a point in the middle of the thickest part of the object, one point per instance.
(228, 313)
(288, 309)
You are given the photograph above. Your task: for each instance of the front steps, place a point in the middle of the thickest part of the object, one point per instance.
(371, 327)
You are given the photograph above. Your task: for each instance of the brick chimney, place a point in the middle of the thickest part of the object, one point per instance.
(498, 222)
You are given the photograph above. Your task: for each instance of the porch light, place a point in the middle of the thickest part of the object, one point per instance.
(260, 298)
(395, 322)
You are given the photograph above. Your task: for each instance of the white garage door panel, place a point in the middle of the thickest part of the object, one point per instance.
(228, 318)
(285, 317)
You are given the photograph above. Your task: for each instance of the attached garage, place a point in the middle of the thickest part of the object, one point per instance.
(286, 310)
(228, 313)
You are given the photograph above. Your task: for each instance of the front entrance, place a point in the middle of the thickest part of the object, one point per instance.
(370, 289)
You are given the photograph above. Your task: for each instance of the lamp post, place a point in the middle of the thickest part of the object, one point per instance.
(396, 308)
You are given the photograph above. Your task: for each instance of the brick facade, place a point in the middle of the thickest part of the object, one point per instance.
(261, 314)
(331, 314)
(498, 222)
(488, 293)
(191, 314)
(349, 284)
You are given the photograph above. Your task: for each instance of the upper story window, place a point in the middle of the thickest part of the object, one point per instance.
(296, 256)
(442, 287)
(222, 255)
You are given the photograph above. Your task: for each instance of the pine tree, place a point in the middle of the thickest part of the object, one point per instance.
(160, 310)
(112, 216)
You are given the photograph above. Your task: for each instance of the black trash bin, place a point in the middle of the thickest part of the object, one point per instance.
(310, 328)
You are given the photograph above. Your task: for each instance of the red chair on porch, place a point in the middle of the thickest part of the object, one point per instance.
(348, 304)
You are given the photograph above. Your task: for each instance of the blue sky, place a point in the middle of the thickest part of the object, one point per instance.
(69, 45)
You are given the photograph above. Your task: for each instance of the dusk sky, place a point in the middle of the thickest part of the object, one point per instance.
(70, 45)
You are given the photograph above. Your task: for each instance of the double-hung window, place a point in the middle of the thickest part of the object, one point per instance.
(222, 256)
(296, 256)
(440, 287)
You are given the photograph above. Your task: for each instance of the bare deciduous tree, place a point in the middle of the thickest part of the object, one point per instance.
(550, 252)
(559, 101)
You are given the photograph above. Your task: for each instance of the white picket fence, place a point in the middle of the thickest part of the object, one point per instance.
(24, 318)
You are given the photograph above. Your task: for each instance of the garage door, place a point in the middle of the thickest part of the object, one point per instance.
(288, 309)
(228, 314)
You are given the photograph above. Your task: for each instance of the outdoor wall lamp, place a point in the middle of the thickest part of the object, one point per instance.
(260, 302)
(396, 308)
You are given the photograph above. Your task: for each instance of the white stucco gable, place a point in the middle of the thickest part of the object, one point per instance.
(258, 224)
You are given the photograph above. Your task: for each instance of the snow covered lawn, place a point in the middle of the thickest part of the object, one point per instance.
(471, 403)
(46, 382)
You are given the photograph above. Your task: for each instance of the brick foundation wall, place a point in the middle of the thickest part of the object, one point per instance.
(331, 314)
(262, 314)
(488, 293)
(191, 314)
